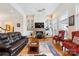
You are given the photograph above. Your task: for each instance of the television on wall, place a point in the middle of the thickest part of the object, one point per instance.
(39, 25)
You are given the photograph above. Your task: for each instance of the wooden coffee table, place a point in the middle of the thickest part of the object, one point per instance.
(33, 48)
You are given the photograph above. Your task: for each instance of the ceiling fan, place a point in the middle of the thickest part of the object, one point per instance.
(41, 10)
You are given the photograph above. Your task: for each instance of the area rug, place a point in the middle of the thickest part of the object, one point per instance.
(53, 51)
(44, 49)
(47, 49)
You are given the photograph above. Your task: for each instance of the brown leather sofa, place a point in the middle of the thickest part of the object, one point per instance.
(12, 43)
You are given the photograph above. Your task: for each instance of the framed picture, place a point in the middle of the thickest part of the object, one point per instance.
(8, 27)
(71, 20)
(18, 24)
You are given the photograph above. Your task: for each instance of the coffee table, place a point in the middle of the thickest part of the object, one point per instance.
(42, 50)
(33, 48)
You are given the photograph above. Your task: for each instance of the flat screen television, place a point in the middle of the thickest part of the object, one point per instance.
(39, 25)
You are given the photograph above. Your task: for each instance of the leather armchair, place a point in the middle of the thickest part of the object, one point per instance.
(72, 45)
(59, 37)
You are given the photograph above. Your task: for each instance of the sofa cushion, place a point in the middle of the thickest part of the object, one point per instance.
(12, 37)
(18, 36)
(5, 39)
(75, 50)
(17, 45)
(76, 40)
(69, 44)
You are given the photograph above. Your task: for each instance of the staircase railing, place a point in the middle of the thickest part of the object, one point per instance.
(3, 29)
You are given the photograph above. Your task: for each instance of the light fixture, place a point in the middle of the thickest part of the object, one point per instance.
(41, 10)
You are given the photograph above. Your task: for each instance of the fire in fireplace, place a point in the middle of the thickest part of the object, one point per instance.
(39, 34)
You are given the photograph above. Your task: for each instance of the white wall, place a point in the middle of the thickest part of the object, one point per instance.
(40, 17)
(23, 21)
(13, 21)
(70, 9)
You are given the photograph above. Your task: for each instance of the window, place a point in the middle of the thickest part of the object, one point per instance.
(77, 16)
(55, 28)
(30, 24)
(63, 22)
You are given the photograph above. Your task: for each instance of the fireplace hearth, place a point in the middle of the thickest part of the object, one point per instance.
(39, 34)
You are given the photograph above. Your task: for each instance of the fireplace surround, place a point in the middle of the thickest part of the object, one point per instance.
(39, 34)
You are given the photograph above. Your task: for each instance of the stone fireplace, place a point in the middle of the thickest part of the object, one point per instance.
(39, 34)
(39, 30)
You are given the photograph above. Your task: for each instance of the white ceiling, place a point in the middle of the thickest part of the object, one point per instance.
(7, 9)
(33, 8)
(27, 8)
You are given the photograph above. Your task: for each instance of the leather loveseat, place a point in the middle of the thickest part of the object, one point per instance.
(12, 43)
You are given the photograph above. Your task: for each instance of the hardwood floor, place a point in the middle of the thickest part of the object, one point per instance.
(24, 51)
(58, 48)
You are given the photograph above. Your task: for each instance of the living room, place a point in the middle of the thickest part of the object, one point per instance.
(39, 29)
